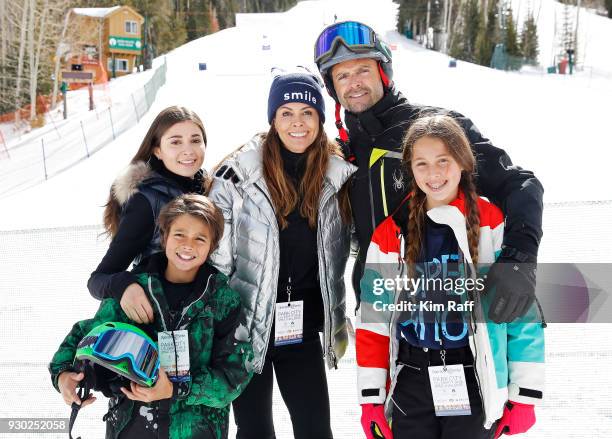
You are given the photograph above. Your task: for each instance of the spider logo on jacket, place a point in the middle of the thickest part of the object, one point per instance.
(398, 180)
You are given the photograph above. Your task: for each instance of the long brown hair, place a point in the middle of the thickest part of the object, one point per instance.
(446, 129)
(285, 196)
(162, 123)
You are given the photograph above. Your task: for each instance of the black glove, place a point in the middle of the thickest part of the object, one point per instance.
(513, 276)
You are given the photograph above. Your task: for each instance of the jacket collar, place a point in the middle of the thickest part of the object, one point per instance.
(377, 118)
(453, 215)
(248, 165)
(126, 184)
(154, 272)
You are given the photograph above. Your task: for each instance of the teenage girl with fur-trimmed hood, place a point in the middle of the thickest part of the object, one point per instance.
(167, 164)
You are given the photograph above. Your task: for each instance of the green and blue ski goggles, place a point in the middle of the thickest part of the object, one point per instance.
(124, 349)
(354, 35)
(117, 345)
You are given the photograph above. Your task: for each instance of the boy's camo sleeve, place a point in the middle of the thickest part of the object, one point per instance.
(109, 311)
(230, 367)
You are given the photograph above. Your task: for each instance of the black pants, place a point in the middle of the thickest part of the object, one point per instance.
(413, 411)
(148, 422)
(142, 426)
(300, 374)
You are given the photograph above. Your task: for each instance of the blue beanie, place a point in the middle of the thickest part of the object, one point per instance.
(296, 87)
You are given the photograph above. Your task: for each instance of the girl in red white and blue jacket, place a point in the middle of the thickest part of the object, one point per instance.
(422, 319)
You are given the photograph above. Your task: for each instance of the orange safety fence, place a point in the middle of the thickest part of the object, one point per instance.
(43, 103)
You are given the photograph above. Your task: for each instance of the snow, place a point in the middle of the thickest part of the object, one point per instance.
(95, 12)
(554, 125)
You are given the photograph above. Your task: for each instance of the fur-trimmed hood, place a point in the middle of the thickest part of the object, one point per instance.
(126, 183)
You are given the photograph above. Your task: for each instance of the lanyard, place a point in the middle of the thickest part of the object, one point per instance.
(289, 290)
(290, 271)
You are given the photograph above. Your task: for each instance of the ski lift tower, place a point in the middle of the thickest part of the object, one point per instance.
(568, 41)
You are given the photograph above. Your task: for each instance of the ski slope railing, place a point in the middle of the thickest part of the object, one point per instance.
(70, 141)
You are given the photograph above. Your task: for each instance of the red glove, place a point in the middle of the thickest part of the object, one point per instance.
(517, 418)
(374, 423)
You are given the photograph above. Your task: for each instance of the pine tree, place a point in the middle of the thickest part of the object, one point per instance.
(529, 39)
(608, 4)
(198, 19)
(487, 36)
(472, 24)
(165, 30)
(413, 12)
(464, 41)
(226, 12)
(457, 43)
(511, 36)
(168, 33)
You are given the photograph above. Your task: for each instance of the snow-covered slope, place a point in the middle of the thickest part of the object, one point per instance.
(557, 126)
(554, 125)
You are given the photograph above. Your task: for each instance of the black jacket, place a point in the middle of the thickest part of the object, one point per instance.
(380, 183)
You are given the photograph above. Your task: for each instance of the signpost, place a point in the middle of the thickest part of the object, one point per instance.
(64, 89)
(79, 77)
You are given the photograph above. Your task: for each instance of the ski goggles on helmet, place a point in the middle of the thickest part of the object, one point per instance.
(123, 349)
(354, 35)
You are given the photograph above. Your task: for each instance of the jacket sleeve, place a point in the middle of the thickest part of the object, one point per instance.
(526, 359)
(63, 359)
(372, 337)
(515, 190)
(230, 369)
(373, 323)
(525, 349)
(224, 194)
(136, 228)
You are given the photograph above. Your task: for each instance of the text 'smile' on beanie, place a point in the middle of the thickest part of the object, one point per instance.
(296, 87)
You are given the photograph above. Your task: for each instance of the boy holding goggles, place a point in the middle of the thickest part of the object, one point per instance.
(204, 351)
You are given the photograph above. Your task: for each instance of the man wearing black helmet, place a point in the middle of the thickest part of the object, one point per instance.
(357, 69)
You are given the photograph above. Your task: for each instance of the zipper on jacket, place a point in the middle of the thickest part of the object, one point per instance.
(274, 226)
(327, 336)
(474, 360)
(201, 296)
(410, 366)
(371, 198)
(394, 316)
(383, 194)
(474, 331)
(156, 303)
(542, 320)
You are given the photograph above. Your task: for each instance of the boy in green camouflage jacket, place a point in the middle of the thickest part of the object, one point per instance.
(187, 294)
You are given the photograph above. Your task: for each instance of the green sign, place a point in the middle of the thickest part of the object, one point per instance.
(124, 43)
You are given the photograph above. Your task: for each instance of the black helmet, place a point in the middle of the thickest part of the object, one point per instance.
(349, 40)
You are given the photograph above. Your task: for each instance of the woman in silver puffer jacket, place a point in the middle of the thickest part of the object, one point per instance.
(285, 247)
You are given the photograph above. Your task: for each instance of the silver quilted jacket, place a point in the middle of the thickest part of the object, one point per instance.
(249, 249)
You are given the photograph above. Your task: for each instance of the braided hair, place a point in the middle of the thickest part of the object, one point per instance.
(446, 129)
